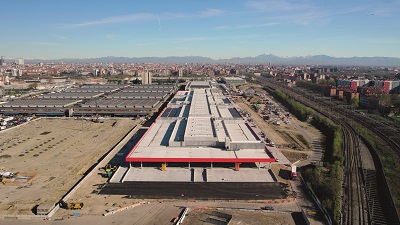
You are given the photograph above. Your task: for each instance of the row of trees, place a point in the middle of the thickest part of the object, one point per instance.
(325, 182)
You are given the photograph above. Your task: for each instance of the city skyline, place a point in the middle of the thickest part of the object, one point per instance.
(199, 28)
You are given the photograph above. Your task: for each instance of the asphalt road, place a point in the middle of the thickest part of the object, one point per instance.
(197, 190)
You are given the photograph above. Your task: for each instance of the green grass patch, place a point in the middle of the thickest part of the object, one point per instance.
(397, 118)
(303, 140)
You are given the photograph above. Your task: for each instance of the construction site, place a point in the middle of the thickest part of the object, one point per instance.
(201, 149)
(49, 156)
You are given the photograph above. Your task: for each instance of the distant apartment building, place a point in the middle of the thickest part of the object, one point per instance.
(19, 61)
(146, 77)
(353, 83)
(388, 86)
(180, 73)
(2, 61)
(391, 86)
(4, 79)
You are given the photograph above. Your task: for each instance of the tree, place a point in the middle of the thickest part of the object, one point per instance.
(33, 86)
(332, 82)
(355, 102)
(396, 100)
(384, 103)
(384, 100)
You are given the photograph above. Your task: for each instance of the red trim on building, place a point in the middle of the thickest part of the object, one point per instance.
(140, 140)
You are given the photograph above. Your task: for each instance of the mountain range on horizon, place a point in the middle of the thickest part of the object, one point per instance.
(322, 60)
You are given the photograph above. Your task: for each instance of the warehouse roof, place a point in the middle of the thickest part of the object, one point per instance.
(199, 126)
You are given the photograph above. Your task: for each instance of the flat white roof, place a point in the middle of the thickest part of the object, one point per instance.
(205, 131)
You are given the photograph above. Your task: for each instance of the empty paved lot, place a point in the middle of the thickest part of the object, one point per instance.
(196, 190)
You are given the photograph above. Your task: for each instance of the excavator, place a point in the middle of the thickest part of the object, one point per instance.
(71, 206)
(110, 169)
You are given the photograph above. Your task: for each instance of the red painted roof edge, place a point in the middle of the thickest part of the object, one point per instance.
(140, 140)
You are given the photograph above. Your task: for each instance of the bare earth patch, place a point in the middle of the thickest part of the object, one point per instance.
(56, 153)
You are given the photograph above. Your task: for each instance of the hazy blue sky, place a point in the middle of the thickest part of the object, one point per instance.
(211, 28)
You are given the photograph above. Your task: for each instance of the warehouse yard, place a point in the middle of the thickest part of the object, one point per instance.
(49, 156)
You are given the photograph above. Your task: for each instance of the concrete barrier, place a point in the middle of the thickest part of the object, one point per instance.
(119, 175)
(23, 216)
(182, 217)
(124, 175)
(123, 208)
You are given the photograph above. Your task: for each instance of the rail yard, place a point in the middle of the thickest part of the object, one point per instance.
(364, 187)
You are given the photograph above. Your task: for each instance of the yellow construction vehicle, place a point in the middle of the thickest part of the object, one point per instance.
(71, 206)
(76, 205)
(109, 168)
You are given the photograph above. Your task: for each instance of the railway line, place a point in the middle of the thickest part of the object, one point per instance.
(364, 188)
(354, 204)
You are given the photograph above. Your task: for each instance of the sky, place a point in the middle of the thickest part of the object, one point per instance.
(54, 29)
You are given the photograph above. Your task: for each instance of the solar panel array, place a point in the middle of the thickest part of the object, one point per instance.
(171, 112)
(71, 95)
(86, 89)
(138, 95)
(121, 103)
(234, 113)
(35, 103)
(226, 101)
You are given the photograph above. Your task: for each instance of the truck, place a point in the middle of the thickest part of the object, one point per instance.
(8, 119)
(276, 122)
(294, 172)
(7, 174)
(71, 205)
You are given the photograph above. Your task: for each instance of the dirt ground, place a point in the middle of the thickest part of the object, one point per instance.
(50, 156)
(285, 136)
(254, 217)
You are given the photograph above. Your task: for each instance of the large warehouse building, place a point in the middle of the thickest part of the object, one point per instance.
(89, 100)
(199, 127)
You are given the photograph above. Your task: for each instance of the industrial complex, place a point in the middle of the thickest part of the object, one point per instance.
(200, 127)
(198, 145)
(89, 100)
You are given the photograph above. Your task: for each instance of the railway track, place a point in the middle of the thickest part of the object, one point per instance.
(354, 203)
(364, 188)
